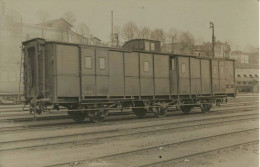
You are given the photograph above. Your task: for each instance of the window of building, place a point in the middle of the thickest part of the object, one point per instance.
(221, 70)
(238, 82)
(244, 82)
(245, 75)
(250, 75)
(152, 46)
(215, 69)
(146, 66)
(173, 64)
(183, 68)
(256, 75)
(88, 62)
(147, 45)
(238, 75)
(102, 64)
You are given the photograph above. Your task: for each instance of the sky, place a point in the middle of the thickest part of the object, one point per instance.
(236, 21)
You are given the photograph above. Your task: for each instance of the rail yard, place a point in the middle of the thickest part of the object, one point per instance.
(216, 138)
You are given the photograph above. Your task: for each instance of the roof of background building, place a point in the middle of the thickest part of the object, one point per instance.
(54, 21)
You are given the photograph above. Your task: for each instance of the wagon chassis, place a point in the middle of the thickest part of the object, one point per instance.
(98, 109)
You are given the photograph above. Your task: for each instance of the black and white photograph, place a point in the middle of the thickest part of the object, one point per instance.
(129, 83)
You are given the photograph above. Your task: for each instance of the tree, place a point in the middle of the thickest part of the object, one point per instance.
(83, 30)
(159, 35)
(118, 33)
(69, 17)
(187, 42)
(172, 35)
(145, 33)
(42, 15)
(130, 30)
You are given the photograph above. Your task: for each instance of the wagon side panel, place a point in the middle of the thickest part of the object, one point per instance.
(67, 58)
(102, 69)
(161, 75)
(146, 74)
(222, 77)
(215, 76)
(195, 76)
(116, 73)
(132, 86)
(88, 72)
(184, 75)
(205, 77)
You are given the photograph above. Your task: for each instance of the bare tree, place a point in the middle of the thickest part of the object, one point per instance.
(83, 30)
(159, 34)
(145, 33)
(42, 15)
(69, 17)
(118, 33)
(187, 42)
(130, 30)
(172, 35)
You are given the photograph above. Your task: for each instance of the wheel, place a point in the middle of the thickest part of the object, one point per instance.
(160, 111)
(97, 115)
(139, 112)
(77, 116)
(205, 107)
(186, 109)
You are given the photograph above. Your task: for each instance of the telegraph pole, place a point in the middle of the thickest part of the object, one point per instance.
(213, 38)
(112, 33)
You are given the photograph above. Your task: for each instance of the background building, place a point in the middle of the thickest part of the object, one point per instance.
(13, 31)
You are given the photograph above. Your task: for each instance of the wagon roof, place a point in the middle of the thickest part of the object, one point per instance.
(122, 50)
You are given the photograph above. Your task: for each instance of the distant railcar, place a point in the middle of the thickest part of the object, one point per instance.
(91, 80)
(9, 83)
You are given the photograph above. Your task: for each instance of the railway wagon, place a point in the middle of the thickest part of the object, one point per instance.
(92, 80)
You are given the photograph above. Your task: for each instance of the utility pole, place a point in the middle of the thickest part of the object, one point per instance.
(112, 33)
(213, 38)
(117, 40)
(172, 45)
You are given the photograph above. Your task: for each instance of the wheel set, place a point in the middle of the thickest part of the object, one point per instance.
(139, 108)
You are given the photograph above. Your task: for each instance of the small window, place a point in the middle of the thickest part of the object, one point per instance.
(238, 82)
(238, 75)
(152, 46)
(102, 64)
(244, 82)
(221, 70)
(215, 69)
(183, 68)
(146, 66)
(173, 64)
(88, 62)
(147, 45)
(245, 75)
(250, 75)
(256, 75)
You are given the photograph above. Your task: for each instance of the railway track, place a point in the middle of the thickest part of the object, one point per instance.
(169, 148)
(135, 142)
(117, 118)
(71, 139)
